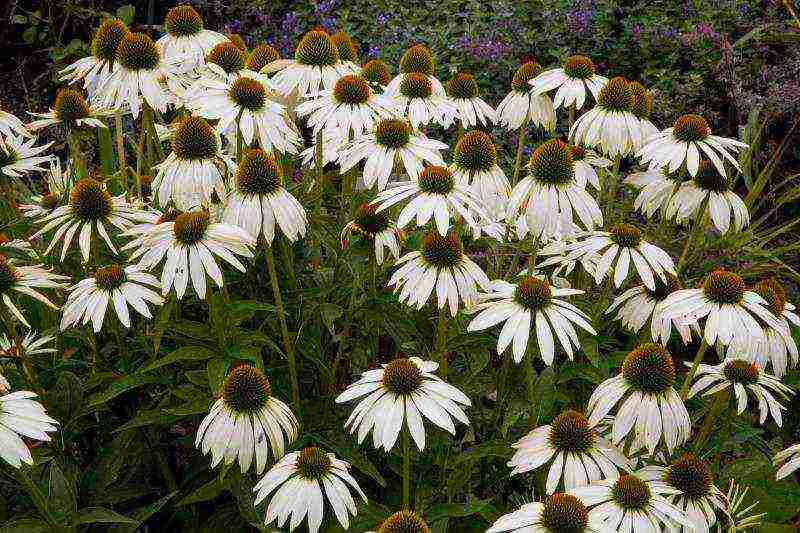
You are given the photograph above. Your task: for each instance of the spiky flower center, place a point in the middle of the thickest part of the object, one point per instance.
(551, 163)
(631, 493)
(417, 59)
(70, 106)
(579, 67)
(227, 56)
(248, 93)
(50, 201)
(189, 228)
(312, 463)
(376, 71)
(258, 173)
(369, 221)
(689, 475)
(564, 513)
(416, 85)
(708, 178)
(89, 200)
(570, 432)
(626, 235)
(137, 51)
(723, 287)
(344, 45)
(690, 128)
(183, 21)
(533, 293)
(261, 56)
(774, 293)
(107, 38)
(401, 376)
(393, 133)
(475, 152)
(316, 49)
(642, 100)
(109, 277)
(649, 369)
(525, 73)
(442, 252)
(616, 95)
(436, 180)
(462, 86)
(404, 522)
(663, 289)
(8, 275)
(741, 371)
(352, 90)
(246, 389)
(194, 139)
(237, 41)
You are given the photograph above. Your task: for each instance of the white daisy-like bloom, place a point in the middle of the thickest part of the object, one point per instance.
(475, 162)
(418, 101)
(22, 416)
(436, 194)
(189, 244)
(149, 220)
(26, 280)
(642, 108)
(731, 311)
(195, 168)
(555, 255)
(685, 142)
(301, 482)
(350, 107)
(223, 64)
(259, 202)
(639, 305)
(186, 38)
(549, 194)
(403, 391)
(610, 125)
(18, 156)
(649, 408)
(30, 344)
(120, 286)
(10, 125)
(531, 305)
(743, 377)
(90, 209)
(261, 56)
(71, 111)
(416, 60)
(59, 181)
(586, 161)
(657, 188)
(522, 103)
(316, 66)
(558, 512)
(348, 54)
(789, 461)
(711, 190)
(94, 69)
(247, 422)
(376, 72)
(630, 503)
(333, 145)
(374, 227)
(577, 454)
(405, 521)
(698, 498)
(471, 109)
(391, 144)
(570, 82)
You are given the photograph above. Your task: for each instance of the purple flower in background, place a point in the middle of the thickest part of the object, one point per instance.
(637, 33)
(383, 19)
(373, 51)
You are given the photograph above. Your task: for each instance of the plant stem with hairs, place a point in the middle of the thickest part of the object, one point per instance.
(74, 141)
(287, 341)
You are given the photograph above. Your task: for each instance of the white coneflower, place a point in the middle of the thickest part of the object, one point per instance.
(586, 161)
(558, 513)
(247, 422)
(375, 227)
(648, 404)
(789, 461)
(25, 280)
(571, 82)
(736, 517)
(223, 62)
(405, 521)
(261, 56)
(435, 193)
(94, 69)
(21, 416)
(418, 101)
(577, 453)
(186, 38)
(18, 156)
(723, 206)
(315, 66)
(522, 103)
(657, 188)
(120, 286)
(391, 143)
(15, 246)
(70, 110)
(550, 193)
(350, 107)
(684, 142)
(555, 255)
(30, 344)
(10, 125)
(190, 243)
(259, 202)
(743, 377)
(416, 60)
(348, 54)
(531, 305)
(642, 108)
(59, 181)
(299, 481)
(402, 393)
(376, 72)
(623, 244)
(333, 145)
(610, 125)
(475, 162)
(195, 168)
(471, 109)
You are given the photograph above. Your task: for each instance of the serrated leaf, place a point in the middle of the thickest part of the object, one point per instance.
(100, 515)
(61, 497)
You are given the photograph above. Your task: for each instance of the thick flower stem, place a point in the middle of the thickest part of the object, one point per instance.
(239, 140)
(406, 469)
(119, 136)
(287, 341)
(502, 376)
(693, 370)
(523, 136)
(612, 188)
(697, 230)
(531, 375)
(441, 338)
(711, 416)
(318, 167)
(149, 124)
(571, 117)
(74, 141)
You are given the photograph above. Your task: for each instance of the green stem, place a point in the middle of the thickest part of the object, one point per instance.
(318, 168)
(531, 375)
(711, 416)
(287, 341)
(697, 230)
(441, 338)
(406, 469)
(502, 376)
(571, 117)
(523, 136)
(74, 141)
(122, 161)
(149, 122)
(239, 140)
(698, 358)
(611, 190)
(140, 150)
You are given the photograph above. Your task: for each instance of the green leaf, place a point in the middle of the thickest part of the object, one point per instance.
(100, 515)
(217, 369)
(241, 310)
(209, 491)
(26, 525)
(61, 495)
(330, 313)
(119, 387)
(443, 511)
(184, 353)
(65, 397)
(142, 514)
(126, 13)
(165, 416)
(29, 35)
(495, 448)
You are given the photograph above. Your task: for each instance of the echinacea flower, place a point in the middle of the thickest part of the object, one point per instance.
(789, 461)
(30, 345)
(261, 56)
(558, 513)
(223, 62)
(417, 59)
(736, 517)
(315, 66)
(374, 227)
(418, 101)
(376, 72)
(247, 422)
(400, 393)
(186, 38)
(21, 416)
(299, 481)
(648, 404)
(471, 109)
(18, 156)
(586, 161)
(531, 305)
(475, 162)
(641, 109)
(10, 125)
(348, 53)
(523, 103)
(657, 188)
(571, 82)
(70, 110)
(405, 521)
(26, 280)
(610, 125)
(333, 145)
(94, 69)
